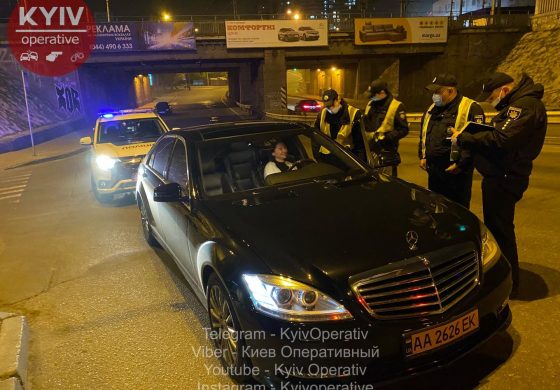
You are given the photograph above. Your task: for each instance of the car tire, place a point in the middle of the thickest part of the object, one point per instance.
(304, 37)
(145, 220)
(223, 320)
(101, 198)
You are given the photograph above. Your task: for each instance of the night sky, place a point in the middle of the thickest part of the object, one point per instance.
(194, 7)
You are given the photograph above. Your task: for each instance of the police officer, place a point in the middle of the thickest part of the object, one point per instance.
(449, 174)
(341, 122)
(505, 155)
(384, 123)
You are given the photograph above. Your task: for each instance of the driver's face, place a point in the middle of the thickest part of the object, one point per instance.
(280, 152)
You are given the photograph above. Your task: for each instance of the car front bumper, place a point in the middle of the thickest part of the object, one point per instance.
(374, 352)
(120, 179)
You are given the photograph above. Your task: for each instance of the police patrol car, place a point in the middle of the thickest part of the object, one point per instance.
(120, 140)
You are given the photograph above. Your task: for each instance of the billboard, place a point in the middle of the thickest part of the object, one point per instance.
(142, 36)
(276, 33)
(394, 31)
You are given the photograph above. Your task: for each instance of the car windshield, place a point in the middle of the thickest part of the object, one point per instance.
(120, 132)
(305, 28)
(246, 162)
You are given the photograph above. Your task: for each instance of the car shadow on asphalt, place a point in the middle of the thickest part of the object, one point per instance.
(537, 282)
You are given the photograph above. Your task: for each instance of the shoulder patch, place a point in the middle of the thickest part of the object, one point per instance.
(513, 113)
(402, 115)
(479, 119)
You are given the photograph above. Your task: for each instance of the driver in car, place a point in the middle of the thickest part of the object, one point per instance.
(279, 162)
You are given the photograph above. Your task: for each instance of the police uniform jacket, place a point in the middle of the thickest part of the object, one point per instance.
(520, 129)
(437, 144)
(375, 117)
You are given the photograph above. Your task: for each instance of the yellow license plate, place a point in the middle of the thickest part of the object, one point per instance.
(438, 336)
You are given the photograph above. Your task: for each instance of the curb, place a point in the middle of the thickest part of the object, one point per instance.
(14, 342)
(20, 141)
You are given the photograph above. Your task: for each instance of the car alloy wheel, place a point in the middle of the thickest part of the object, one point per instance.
(224, 325)
(146, 228)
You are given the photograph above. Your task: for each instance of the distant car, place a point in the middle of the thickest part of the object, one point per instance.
(288, 35)
(29, 56)
(163, 108)
(308, 106)
(327, 249)
(308, 34)
(120, 140)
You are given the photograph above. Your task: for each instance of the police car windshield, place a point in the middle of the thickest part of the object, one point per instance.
(121, 132)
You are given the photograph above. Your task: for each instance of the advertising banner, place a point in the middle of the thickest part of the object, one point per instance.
(276, 33)
(393, 31)
(141, 36)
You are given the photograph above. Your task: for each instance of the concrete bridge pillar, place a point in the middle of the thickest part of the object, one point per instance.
(274, 78)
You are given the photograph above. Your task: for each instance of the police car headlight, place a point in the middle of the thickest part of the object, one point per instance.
(490, 248)
(284, 298)
(105, 163)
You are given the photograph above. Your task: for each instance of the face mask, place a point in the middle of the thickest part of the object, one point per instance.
(374, 98)
(437, 99)
(334, 110)
(497, 101)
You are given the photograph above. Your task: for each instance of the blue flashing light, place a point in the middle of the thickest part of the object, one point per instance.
(151, 78)
(108, 116)
(462, 228)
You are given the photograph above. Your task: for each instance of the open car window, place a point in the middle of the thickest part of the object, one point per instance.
(237, 164)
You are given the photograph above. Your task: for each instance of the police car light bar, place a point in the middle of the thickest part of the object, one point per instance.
(109, 114)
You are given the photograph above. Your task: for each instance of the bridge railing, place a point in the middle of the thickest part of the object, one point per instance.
(213, 25)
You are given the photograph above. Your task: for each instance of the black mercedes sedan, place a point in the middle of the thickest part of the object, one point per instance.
(314, 267)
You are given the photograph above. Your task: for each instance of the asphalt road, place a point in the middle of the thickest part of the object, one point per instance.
(106, 311)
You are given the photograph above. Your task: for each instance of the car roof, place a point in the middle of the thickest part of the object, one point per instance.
(128, 116)
(233, 129)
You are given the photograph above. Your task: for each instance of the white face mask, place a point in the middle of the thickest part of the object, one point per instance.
(437, 99)
(497, 101)
(334, 110)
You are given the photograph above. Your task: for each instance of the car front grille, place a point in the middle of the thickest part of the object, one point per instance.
(419, 286)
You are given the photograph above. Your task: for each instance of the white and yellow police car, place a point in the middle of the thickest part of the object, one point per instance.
(120, 140)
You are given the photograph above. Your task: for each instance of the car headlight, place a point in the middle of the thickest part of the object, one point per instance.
(490, 248)
(105, 163)
(287, 299)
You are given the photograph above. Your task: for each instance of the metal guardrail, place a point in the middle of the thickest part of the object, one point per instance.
(415, 117)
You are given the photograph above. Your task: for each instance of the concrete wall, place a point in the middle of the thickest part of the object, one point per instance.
(469, 55)
(108, 88)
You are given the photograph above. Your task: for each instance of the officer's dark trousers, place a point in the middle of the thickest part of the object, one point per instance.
(457, 187)
(499, 196)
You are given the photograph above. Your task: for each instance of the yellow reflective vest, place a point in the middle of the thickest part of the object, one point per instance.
(462, 119)
(344, 135)
(388, 123)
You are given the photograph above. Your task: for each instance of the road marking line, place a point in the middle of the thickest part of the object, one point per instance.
(10, 192)
(19, 177)
(10, 196)
(13, 188)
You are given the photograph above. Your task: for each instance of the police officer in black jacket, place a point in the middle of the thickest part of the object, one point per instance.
(449, 174)
(384, 121)
(505, 155)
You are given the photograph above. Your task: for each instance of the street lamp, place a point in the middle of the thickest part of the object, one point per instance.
(289, 11)
(296, 16)
(166, 17)
(108, 13)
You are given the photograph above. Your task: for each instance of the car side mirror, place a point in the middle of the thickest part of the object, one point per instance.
(86, 141)
(171, 192)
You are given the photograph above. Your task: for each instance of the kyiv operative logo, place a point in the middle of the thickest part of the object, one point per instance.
(51, 37)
